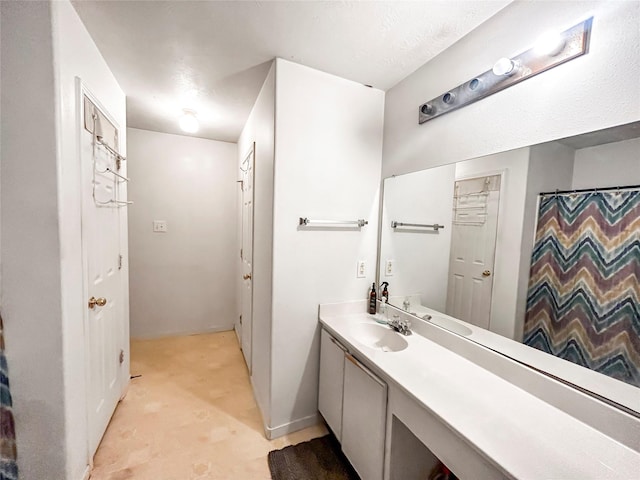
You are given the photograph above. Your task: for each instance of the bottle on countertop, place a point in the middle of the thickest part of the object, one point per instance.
(383, 311)
(385, 293)
(372, 299)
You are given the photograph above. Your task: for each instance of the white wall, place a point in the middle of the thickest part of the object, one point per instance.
(514, 165)
(181, 281)
(260, 128)
(420, 256)
(44, 47)
(608, 165)
(30, 239)
(328, 158)
(592, 92)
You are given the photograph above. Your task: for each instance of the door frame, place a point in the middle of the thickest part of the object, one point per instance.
(81, 90)
(250, 153)
(503, 172)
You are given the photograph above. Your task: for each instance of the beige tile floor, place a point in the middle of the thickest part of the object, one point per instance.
(191, 415)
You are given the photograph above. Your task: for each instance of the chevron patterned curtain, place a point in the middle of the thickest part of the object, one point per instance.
(583, 303)
(8, 454)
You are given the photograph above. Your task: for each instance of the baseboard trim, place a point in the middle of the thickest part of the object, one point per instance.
(184, 333)
(293, 426)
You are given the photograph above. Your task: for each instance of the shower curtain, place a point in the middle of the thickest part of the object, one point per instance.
(583, 303)
(8, 466)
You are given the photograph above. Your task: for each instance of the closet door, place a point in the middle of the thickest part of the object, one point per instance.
(363, 419)
(331, 382)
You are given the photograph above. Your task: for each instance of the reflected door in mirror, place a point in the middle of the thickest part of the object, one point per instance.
(473, 244)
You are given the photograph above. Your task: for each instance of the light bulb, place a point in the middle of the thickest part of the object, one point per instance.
(550, 44)
(504, 66)
(189, 122)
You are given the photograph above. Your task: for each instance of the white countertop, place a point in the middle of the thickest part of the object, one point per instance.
(521, 434)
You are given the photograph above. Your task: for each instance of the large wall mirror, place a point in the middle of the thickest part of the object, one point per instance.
(539, 246)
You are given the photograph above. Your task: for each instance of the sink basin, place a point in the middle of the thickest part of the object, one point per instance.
(379, 337)
(451, 325)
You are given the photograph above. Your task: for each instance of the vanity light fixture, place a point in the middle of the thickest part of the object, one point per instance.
(549, 51)
(188, 121)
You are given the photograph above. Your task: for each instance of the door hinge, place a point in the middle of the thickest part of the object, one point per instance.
(119, 262)
(121, 357)
(240, 319)
(240, 253)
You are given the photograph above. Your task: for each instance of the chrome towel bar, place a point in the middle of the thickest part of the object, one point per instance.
(308, 222)
(435, 226)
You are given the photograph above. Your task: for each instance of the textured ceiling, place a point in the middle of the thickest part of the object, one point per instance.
(213, 56)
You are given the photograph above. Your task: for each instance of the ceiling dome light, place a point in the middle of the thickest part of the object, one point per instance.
(504, 66)
(550, 44)
(188, 121)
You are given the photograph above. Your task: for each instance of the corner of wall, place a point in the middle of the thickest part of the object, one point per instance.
(260, 128)
(31, 238)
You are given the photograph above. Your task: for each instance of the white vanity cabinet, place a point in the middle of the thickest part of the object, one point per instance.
(331, 382)
(353, 402)
(364, 412)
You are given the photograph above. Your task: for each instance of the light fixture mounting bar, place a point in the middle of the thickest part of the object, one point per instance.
(574, 43)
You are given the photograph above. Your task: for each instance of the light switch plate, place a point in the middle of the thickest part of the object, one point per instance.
(160, 226)
(388, 268)
(361, 269)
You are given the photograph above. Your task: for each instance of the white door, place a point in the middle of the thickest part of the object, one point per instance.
(246, 320)
(104, 328)
(473, 245)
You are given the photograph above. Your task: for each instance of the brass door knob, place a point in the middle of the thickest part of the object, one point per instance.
(100, 302)
(247, 276)
(486, 273)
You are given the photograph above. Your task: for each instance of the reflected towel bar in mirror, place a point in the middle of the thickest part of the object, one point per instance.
(308, 222)
(435, 226)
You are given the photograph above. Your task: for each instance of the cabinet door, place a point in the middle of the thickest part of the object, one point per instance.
(331, 382)
(364, 413)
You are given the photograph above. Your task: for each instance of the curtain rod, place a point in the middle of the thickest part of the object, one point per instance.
(594, 190)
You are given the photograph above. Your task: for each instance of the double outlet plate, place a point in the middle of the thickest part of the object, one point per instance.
(361, 268)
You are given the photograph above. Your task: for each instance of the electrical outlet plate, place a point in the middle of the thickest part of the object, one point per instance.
(361, 269)
(388, 268)
(160, 226)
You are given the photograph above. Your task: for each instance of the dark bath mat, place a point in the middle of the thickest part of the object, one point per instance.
(317, 459)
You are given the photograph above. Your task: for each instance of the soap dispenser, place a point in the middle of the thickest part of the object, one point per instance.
(384, 295)
(372, 299)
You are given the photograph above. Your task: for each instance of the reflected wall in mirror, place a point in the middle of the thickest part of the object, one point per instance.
(582, 302)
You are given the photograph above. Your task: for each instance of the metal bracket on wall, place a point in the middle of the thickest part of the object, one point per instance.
(560, 48)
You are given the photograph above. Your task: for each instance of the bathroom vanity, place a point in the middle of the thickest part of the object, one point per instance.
(399, 404)
(353, 401)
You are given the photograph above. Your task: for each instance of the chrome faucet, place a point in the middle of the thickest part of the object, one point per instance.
(400, 325)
